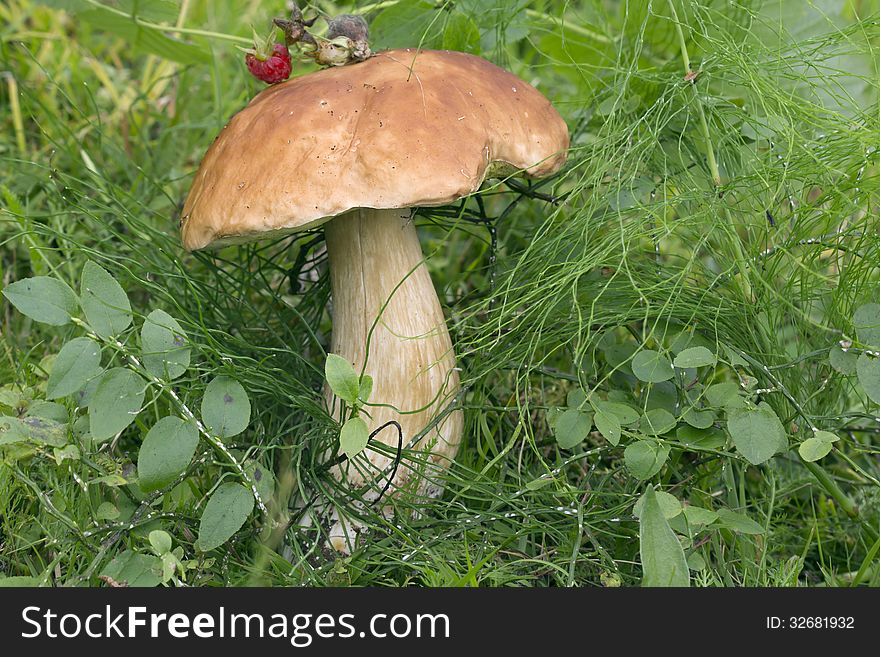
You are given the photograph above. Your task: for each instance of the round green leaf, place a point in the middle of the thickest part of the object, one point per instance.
(116, 402)
(165, 350)
(78, 362)
(652, 366)
(710, 438)
(166, 452)
(104, 302)
(725, 395)
(43, 299)
(867, 323)
(657, 421)
(842, 361)
(813, 449)
(224, 514)
(624, 413)
(226, 409)
(645, 458)
(868, 370)
(608, 425)
(694, 357)
(757, 433)
(134, 569)
(342, 378)
(572, 428)
(160, 541)
(353, 437)
(826, 436)
(699, 419)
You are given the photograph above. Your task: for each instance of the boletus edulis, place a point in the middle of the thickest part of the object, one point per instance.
(354, 149)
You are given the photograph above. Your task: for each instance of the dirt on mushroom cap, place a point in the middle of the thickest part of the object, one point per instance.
(405, 128)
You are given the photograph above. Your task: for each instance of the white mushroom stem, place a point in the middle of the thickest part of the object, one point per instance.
(380, 283)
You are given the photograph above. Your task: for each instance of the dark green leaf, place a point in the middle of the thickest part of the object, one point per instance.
(226, 408)
(663, 560)
(645, 458)
(224, 514)
(738, 522)
(757, 433)
(43, 299)
(165, 348)
(624, 413)
(843, 361)
(652, 366)
(104, 302)
(78, 362)
(134, 569)
(657, 421)
(868, 370)
(462, 34)
(166, 452)
(694, 357)
(572, 427)
(608, 425)
(867, 322)
(116, 402)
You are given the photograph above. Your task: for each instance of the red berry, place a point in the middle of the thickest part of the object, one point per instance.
(274, 68)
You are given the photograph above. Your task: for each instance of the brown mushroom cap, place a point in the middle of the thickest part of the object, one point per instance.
(405, 128)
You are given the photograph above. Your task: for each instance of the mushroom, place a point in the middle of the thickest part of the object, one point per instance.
(355, 149)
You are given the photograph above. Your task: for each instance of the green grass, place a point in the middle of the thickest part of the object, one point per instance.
(737, 211)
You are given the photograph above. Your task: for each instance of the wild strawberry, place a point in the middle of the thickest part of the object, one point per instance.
(270, 67)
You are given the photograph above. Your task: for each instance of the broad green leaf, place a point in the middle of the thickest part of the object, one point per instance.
(406, 24)
(107, 511)
(710, 438)
(698, 516)
(657, 421)
(738, 522)
(624, 413)
(165, 350)
(226, 408)
(867, 322)
(160, 541)
(224, 514)
(652, 366)
(608, 425)
(342, 378)
(78, 362)
(699, 419)
(572, 427)
(813, 449)
(104, 302)
(43, 299)
(757, 433)
(116, 402)
(843, 361)
(723, 395)
(263, 479)
(48, 411)
(353, 437)
(868, 370)
(669, 505)
(144, 39)
(694, 357)
(461, 34)
(166, 452)
(645, 458)
(71, 452)
(575, 398)
(134, 569)
(826, 436)
(663, 560)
